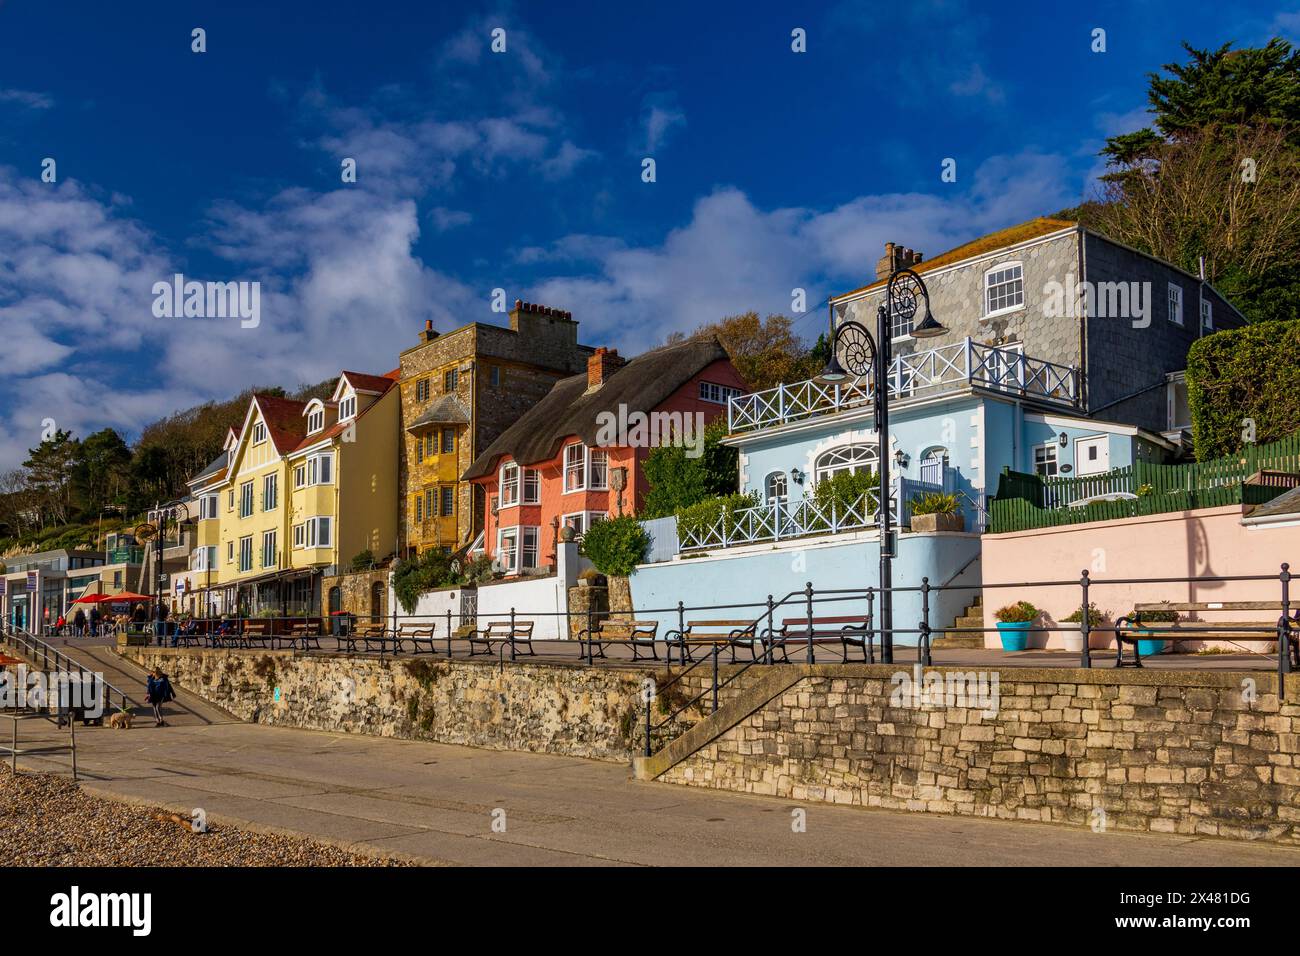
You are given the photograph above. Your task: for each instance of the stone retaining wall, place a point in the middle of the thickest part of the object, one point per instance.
(553, 708)
(1192, 753)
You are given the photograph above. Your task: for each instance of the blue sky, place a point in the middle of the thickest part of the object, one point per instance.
(518, 170)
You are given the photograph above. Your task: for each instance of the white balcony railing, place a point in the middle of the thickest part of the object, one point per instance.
(914, 375)
(780, 520)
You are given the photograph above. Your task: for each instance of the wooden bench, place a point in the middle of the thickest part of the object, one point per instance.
(712, 634)
(302, 636)
(606, 633)
(418, 634)
(1230, 629)
(501, 632)
(851, 630)
(256, 632)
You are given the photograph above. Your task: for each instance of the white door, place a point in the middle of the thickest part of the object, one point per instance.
(1092, 455)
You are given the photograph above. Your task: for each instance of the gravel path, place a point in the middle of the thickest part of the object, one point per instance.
(47, 820)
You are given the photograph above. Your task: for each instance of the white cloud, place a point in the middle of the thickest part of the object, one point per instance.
(445, 219)
(27, 98)
(732, 256)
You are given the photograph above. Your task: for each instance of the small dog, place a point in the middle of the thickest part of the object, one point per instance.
(120, 720)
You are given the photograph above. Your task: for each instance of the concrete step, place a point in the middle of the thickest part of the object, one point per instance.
(951, 641)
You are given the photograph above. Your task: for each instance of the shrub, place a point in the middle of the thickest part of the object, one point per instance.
(845, 489)
(413, 576)
(698, 519)
(477, 570)
(363, 561)
(616, 545)
(1017, 613)
(1095, 617)
(677, 481)
(1250, 372)
(935, 503)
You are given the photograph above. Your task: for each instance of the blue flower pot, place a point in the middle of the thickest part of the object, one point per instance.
(1150, 646)
(1014, 634)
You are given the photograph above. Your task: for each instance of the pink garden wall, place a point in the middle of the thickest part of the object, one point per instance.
(1207, 542)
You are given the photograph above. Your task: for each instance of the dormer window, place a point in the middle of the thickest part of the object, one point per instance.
(315, 421)
(348, 408)
(259, 433)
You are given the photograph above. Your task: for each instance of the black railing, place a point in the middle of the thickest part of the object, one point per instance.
(757, 630)
(43, 655)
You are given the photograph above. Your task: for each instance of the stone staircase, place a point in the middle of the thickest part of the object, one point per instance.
(973, 616)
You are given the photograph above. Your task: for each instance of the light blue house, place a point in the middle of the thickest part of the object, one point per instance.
(1016, 383)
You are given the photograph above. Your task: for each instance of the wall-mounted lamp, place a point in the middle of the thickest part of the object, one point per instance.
(1063, 439)
(901, 458)
(797, 476)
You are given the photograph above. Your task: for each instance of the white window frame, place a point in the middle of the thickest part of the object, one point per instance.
(1175, 303)
(230, 552)
(771, 495)
(270, 558)
(581, 521)
(246, 553)
(300, 536)
(594, 455)
(315, 421)
(315, 465)
(717, 393)
(246, 499)
(532, 493)
(853, 457)
(270, 491)
(508, 485)
(259, 432)
(509, 558)
(207, 507)
(527, 548)
(1051, 457)
(1015, 297)
(319, 532)
(576, 466)
(348, 408)
(1207, 315)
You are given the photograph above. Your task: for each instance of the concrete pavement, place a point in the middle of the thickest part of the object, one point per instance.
(439, 803)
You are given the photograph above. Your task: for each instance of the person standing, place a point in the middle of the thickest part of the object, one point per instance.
(94, 620)
(79, 623)
(158, 691)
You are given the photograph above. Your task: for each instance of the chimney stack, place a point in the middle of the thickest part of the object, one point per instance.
(896, 257)
(600, 366)
(429, 333)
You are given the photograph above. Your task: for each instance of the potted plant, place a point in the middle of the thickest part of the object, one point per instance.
(1014, 622)
(937, 511)
(1150, 644)
(1072, 627)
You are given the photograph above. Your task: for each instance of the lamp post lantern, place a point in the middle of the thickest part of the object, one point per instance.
(867, 355)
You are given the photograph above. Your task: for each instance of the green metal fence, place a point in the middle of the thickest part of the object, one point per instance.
(1027, 501)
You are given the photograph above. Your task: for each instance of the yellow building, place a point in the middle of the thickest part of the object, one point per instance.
(301, 490)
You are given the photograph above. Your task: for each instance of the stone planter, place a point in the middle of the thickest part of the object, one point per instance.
(939, 522)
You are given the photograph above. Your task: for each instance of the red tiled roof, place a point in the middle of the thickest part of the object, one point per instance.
(372, 383)
(284, 421)
(1012, 235)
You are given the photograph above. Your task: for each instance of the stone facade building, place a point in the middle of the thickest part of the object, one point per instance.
(1062, 293)
(460, 390)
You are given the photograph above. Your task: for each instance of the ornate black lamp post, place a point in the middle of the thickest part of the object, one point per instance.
(171, 512)
(865, 355)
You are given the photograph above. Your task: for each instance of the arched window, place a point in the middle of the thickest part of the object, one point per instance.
(850, 458)
(774, 487)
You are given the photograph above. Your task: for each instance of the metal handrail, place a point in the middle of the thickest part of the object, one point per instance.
(37, 648)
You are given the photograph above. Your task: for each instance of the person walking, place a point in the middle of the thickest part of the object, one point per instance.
(79, 623)
(158, 691)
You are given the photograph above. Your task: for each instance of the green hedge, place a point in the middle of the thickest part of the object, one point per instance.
(700, 517)
(1238, 374)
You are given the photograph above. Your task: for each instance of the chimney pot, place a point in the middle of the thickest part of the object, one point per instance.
(601, 365)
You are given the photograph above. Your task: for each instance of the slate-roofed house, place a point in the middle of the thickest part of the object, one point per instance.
(565, 463)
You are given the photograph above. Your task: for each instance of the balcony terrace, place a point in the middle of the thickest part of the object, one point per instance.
(962, 365)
